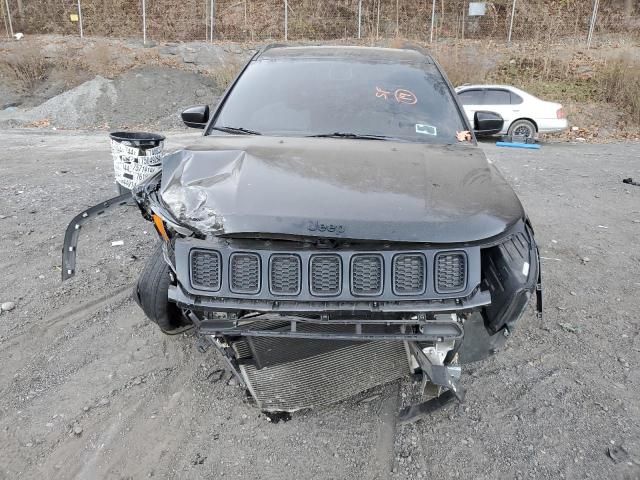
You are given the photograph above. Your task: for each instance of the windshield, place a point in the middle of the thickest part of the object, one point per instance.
(307, 97)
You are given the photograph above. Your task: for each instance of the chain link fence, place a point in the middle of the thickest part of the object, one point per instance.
(263, 20)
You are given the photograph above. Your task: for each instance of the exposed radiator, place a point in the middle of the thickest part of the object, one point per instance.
(330, 372)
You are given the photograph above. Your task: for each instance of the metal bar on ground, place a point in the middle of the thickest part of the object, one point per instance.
(433, 19)
(80, 19)
(413, 413)
(513, 13)
(9, 17)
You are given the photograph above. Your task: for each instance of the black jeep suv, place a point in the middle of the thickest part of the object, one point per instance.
(337, 227)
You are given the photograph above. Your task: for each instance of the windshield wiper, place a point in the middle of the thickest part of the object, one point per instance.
(236, 130)
(350, 135)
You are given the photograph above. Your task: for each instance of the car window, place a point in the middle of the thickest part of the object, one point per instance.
(316, 96)
(515, 99)
(471, 97)
(497, 97)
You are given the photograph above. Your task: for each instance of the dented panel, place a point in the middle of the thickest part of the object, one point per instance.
(331, 188)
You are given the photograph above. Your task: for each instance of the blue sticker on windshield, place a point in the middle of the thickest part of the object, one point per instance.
(426, 129)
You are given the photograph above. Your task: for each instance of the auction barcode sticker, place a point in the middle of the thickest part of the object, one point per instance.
(134, 165)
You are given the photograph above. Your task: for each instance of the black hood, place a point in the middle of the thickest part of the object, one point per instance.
(352, 189)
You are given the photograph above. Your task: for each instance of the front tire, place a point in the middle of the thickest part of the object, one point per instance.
(523, 127)
(152, 294)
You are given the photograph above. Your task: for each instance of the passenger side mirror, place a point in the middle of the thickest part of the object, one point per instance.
(487, 123)
(196, 116)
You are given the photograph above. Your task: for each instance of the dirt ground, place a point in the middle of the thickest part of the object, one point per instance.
(90, 389)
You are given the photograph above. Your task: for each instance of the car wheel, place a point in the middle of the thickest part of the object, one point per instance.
(152, 295)
(525, 128)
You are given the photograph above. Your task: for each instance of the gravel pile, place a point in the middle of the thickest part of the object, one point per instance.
(144, 97)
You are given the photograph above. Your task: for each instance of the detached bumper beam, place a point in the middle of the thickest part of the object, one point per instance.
(358, 330)
(291, 306)
(71, 235)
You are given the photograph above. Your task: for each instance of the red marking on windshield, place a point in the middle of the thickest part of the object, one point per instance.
(380, 93)
(406, 96)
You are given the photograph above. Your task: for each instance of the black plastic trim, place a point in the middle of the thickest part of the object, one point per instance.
(380, 258)
(297, 257)
(245, 291)
(220, 269)
(264, 249)
(71, 235)
(435, 271)
(340, 274)
(217, 303)
(435, 331)
(425, 276)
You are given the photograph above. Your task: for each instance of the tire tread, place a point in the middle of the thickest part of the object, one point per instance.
(152, 293)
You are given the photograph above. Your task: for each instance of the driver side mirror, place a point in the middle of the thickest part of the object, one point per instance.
(487, 123)
(196, 116)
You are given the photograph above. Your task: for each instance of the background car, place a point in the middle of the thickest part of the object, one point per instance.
(523, 113)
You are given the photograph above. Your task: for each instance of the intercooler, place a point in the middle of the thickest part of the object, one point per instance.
(292, 374)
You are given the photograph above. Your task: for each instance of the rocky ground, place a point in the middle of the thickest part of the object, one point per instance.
(90, 389)
(68, 83)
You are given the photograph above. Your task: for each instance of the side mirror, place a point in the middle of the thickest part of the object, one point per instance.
(196, 116)
(487, 123)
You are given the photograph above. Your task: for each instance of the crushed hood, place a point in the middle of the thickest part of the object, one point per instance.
(353, 189)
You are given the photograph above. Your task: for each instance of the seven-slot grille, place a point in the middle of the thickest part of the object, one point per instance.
(409, 274)
(205, 269)
(451, 272)
(285, 274)
(329, 274)
(244, 273)
(366, 275)
(325, 276)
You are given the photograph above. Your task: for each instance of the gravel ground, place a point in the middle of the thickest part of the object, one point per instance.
(89, 389)
(135, 98)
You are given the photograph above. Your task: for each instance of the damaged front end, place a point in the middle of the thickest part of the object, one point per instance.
(305, 320)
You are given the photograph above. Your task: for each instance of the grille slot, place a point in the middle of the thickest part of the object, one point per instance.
(285, 273)
(451, 272)
(326, 275)
(244, 273)
(409, 274)
(366, 275)
(205, 269)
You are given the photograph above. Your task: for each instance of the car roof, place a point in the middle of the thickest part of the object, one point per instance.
(410, 55)
(505, 87)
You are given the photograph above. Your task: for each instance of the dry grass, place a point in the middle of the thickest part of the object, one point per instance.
(461, 68)
(26, 70)
(619, 83)
(225, 74)
(257, 20)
